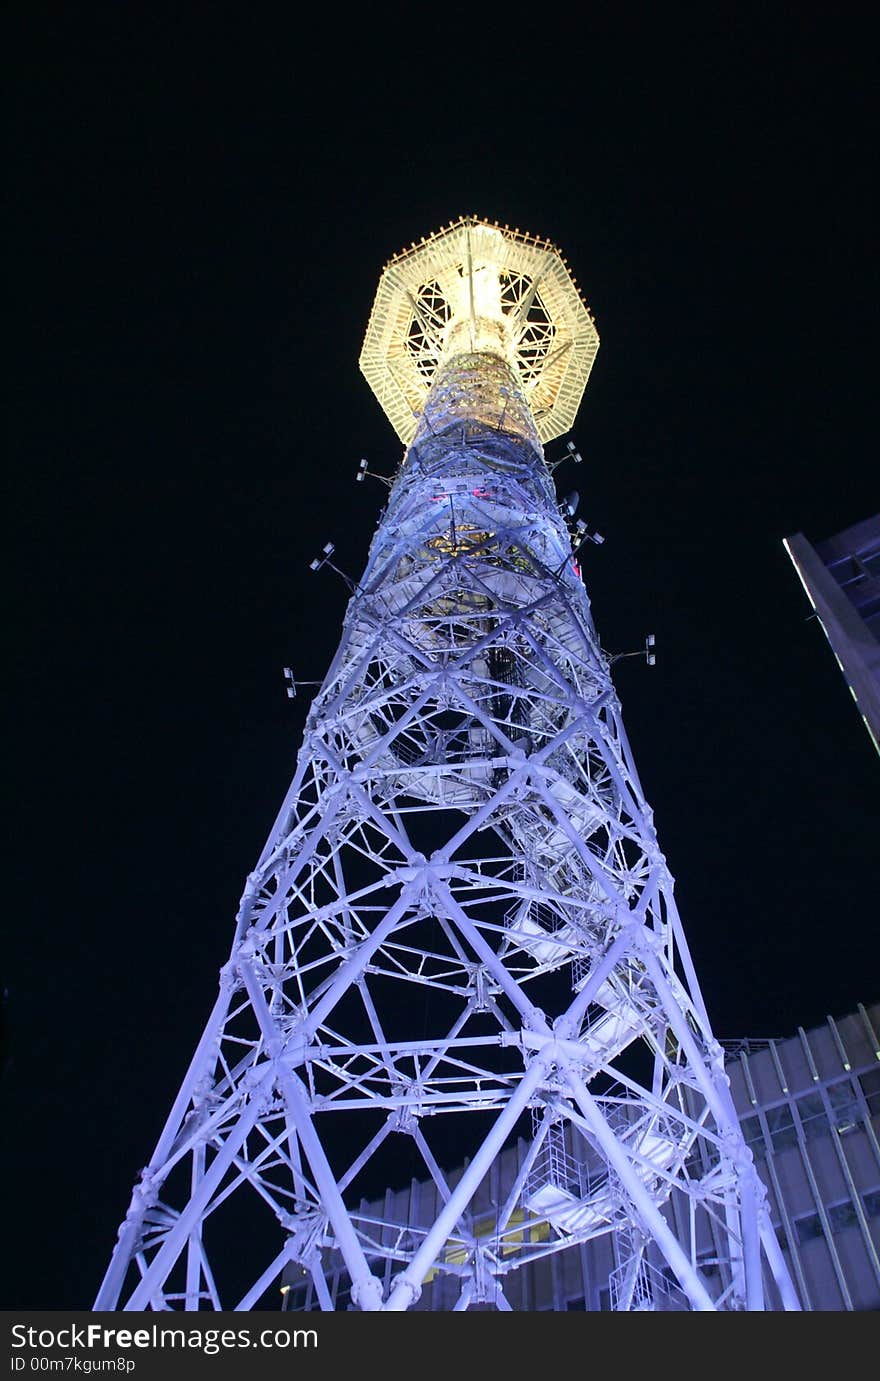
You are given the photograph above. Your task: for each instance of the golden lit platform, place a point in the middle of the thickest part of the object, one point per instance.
(478, 286)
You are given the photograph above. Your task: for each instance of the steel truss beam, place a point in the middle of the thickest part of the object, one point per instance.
(462, 909)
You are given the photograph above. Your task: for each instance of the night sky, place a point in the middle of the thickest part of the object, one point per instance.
(198, 213)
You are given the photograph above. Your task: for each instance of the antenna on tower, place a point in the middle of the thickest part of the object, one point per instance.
(291, 683)
(647, 652)
(324, 560)
(363, 471)
(585, 536)
(580, 535)
(570, 453)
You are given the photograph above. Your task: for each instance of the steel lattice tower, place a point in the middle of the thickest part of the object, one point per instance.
(462, 909)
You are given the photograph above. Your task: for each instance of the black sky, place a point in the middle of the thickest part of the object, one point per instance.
(199, 211)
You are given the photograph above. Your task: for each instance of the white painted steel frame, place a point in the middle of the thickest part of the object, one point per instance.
(462, 911)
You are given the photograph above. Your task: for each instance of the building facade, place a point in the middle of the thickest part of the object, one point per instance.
(841, 576)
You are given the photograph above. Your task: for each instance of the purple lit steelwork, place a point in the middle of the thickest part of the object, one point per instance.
(462, 916)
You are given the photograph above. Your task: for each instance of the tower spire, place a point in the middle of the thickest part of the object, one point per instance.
(462, 928)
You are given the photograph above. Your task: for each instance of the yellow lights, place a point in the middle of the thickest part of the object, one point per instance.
(521, 1230)
(477, 287)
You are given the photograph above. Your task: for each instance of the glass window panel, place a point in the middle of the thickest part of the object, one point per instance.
(295, 1297)
(872, 1203)
(754, 1135)
(845, 1108)
(870, 1084)
(808, 1228)
(841, 1093)
(872, 563)
(780, 1121)
(782, 1141)
(842, 1216)
(811, 1111)
(752, 1129)
(810, 1105)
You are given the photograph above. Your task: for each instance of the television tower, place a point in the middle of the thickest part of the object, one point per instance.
(462, 910)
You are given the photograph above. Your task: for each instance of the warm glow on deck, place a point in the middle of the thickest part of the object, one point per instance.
(476, 286)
